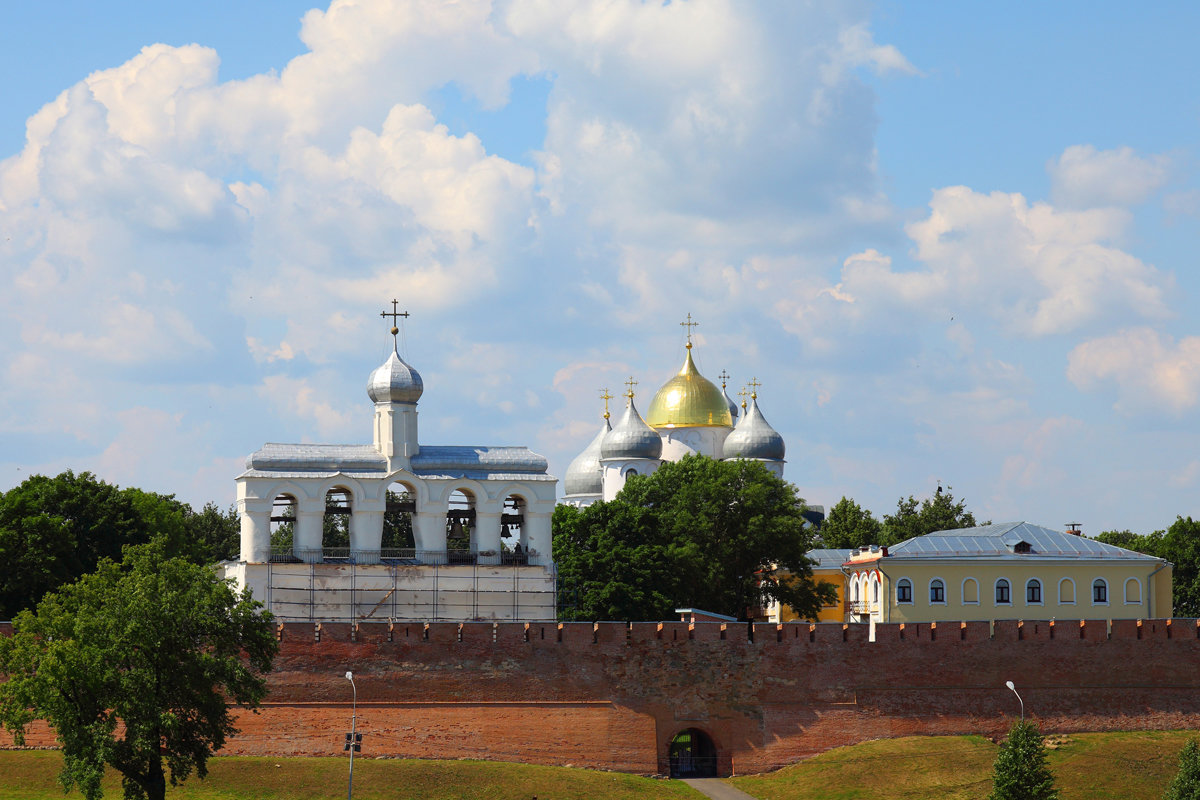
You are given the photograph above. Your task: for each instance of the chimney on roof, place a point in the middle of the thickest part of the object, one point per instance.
(1073, 529)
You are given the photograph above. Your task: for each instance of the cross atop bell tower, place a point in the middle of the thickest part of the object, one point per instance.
(395, 315)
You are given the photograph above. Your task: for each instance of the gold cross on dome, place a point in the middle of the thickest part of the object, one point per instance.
(605, 396)
(742, 394)
(395, 315)
(754, 384)
(630, 384)
(688, 327)
(724, 376)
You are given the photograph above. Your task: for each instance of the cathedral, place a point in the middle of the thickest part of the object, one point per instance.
(396, 529)
(689, 414)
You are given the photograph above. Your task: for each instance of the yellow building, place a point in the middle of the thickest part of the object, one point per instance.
(827, 568)
(1012, 570)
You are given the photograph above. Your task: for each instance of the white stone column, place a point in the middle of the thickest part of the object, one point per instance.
(429, 533)
(539, 537)
(366, 532)
(485, 537)
(306, 533)
(256, 531)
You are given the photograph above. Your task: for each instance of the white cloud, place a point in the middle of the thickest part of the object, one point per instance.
(1029, 270)
(1084, 177)
(308, 399)
(1150, 370)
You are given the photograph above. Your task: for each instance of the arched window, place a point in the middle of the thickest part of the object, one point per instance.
(874, 590)
(630, 471)
(514, 546)
(903, 591)
(397, 540)
(1066, 592)
(1133, 591)
(460, 527)
(970, 591)
(335, 531)
(854, 589)
(283, 526)
(1100, 592)
(937, 592)
(1033, 592)
(1003, 592)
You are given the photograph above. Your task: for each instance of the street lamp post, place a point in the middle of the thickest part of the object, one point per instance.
(353, 727)
(1013, 689)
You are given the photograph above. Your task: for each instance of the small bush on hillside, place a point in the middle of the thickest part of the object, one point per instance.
(1186, 785)
(1020, 772)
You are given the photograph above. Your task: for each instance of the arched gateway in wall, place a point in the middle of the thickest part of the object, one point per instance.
(692, 754)
(396, 529)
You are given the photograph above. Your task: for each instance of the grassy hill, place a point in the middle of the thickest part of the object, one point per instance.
(1130, 766)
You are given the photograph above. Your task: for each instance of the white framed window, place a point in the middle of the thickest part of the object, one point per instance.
(1066, 592)
(1003, 592)
(1099, 592)
(874, 590)
(937, 592)
(1133, 592)
(1033, 592)
(904, 592)
(970, 592)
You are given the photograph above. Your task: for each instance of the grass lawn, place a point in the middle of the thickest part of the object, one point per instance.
(1126, 765)
(32, 775)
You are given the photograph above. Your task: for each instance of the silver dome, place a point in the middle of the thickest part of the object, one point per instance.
(631, 437)
(395, 382)
(754, 437)
(584, 475)
(733, 407)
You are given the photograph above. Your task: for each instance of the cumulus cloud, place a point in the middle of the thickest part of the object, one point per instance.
(1030, 270)
(1149, 370)
(1084, 177)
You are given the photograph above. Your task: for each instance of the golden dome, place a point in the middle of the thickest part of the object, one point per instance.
(688, 399)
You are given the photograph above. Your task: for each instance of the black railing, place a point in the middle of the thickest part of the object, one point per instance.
(400, 556)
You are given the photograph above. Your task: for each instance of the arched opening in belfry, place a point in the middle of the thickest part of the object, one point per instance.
(693, 755)
(460, 521)
(283, 527)
(514, 547)
(335, 529)
(398, 541)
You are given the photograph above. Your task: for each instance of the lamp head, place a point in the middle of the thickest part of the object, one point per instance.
(350, 677)
(1009, 684)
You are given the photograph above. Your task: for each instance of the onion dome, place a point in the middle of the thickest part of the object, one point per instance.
(754, 437)
(395, 381)
(631, 437)
(733, 407)
(689, 399)
(584, 475)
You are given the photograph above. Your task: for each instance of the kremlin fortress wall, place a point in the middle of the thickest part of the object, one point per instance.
(612, 695)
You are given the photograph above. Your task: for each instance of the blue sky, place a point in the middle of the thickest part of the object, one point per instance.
(954, 243)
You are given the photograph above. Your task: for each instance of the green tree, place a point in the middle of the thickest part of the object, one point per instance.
(53, 530)
(717, 535)
(850, 525)
(1020, 771)
(213, 534)
(913, 518)
(134, 666)
(1186, 785)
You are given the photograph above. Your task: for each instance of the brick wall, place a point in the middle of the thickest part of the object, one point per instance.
(613, 695)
